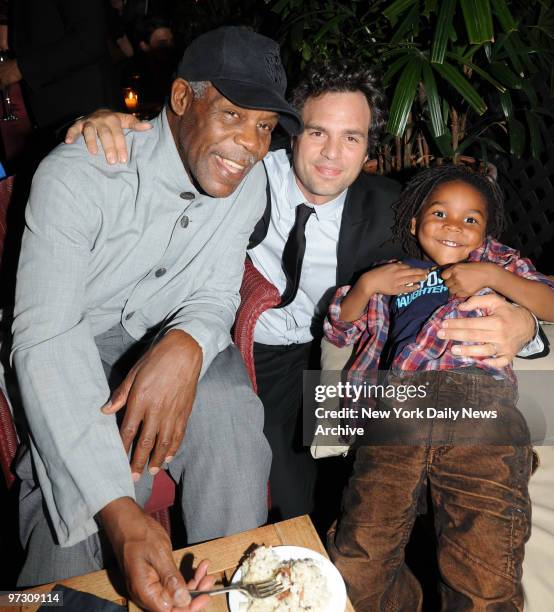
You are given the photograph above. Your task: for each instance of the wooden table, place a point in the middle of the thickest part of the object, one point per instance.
(224, 555)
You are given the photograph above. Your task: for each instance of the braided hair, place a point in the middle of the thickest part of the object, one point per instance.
(421, 186)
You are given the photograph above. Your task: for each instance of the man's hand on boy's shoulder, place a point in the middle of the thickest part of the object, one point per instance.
(466, 279)
(497, 337)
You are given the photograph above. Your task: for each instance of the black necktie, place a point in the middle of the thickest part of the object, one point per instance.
(293, 254)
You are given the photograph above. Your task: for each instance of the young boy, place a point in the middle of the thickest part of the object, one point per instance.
(477, 469)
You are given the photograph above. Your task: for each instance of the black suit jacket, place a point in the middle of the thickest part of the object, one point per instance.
(61, 49)
(366, 226)
(365, 230)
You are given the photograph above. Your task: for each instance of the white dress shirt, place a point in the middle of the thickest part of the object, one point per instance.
(293, 324)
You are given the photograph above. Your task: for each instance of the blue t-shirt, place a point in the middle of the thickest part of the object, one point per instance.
(410, 311)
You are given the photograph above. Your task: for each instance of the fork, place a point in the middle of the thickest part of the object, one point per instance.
(257, 590)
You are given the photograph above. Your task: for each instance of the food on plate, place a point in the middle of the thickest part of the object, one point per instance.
(305, 585)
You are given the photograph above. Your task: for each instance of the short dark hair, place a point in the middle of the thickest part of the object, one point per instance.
(422, 185)
(145, 27)
(343, 76)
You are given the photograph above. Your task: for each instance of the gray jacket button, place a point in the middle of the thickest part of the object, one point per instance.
(160, 272)
(187, 195)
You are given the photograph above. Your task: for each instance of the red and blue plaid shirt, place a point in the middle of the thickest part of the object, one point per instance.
(428, 352)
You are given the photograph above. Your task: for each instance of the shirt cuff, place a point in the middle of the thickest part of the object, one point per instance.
(335, 311)
(534, 346)
(211, 341)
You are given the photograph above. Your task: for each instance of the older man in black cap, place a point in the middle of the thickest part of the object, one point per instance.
(134, 271)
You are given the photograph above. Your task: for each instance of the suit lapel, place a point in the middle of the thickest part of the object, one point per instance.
(262, 226)
(355, 216)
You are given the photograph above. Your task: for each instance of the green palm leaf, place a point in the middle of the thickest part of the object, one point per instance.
(482, 73)
(511, 50)
(444, 23)
(444, 144)
(395, 67)
(478, 20)
(411, 22)
(397, 8)
(506, 105)
(505, 75)
(462, 85)
(516, 131)
(433, 101)
(504, 15)
(403, 98)
(430, 7)
(535, 140)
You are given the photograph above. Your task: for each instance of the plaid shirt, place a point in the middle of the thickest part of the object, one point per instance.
(428, 352)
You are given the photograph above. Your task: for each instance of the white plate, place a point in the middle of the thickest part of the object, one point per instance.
(335, 583)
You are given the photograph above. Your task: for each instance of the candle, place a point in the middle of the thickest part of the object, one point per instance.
(131, 99)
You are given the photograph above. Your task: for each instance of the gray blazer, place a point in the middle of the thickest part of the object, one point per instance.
(136, 244)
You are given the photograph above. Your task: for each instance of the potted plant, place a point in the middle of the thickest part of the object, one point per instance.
(462, 76)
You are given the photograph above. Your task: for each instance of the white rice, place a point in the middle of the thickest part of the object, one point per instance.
(305, 585)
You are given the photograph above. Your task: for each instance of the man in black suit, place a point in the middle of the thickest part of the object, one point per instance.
(348, 226)
(325, 222)
(61, 54)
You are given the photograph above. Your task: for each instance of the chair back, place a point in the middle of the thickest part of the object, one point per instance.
(6, 190)
(15, 136)
(8, 436)
(257, 295)
(8, 440)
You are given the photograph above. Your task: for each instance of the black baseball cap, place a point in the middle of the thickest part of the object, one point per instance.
(243, 66)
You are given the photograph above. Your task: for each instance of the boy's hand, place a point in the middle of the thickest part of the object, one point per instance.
(392, 279)
(466, 279)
